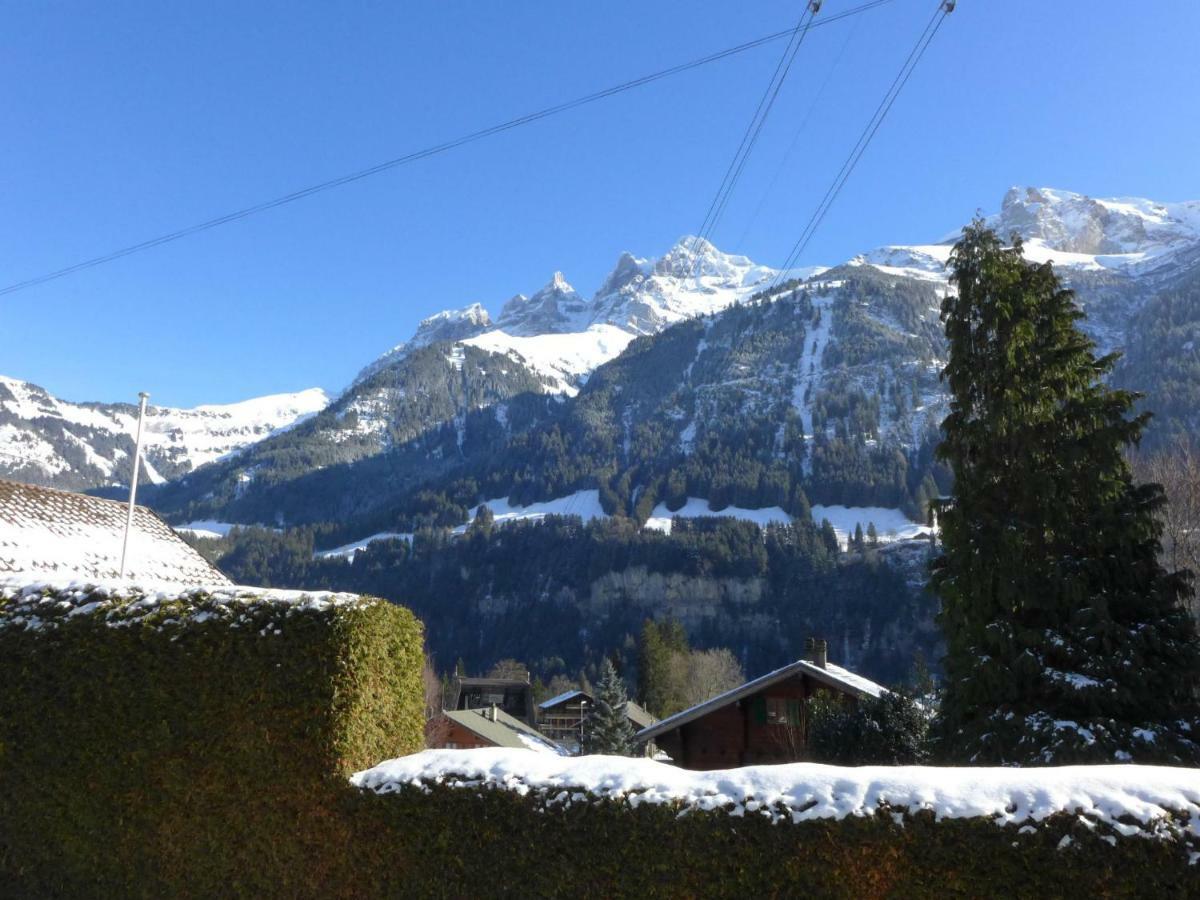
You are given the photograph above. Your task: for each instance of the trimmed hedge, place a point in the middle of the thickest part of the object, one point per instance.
(194, 745)
(200, 747)
(456, 842)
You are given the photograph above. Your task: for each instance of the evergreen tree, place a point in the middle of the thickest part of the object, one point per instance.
(1066, 639)
(660, 643)
(872, 535)
(607, 729)
(858, 542)
(829, 536)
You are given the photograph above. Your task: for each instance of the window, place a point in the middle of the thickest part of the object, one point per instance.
(782, 711)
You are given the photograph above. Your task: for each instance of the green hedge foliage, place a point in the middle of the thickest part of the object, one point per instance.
(457, 842)
(193, 747)
(156, 751)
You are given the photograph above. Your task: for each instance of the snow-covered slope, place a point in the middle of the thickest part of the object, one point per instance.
(559, 334)
(55, 442)
(1124, 235)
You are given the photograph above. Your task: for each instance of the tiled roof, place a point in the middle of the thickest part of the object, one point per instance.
(47, 533)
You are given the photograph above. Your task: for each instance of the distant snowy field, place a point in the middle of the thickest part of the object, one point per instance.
(1129, 800)
(699, 508)
(891, 524)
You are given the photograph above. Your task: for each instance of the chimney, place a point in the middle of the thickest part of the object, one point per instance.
(816, 651)
(492, 713)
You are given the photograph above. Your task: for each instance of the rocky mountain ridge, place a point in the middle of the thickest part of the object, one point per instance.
(54, 442)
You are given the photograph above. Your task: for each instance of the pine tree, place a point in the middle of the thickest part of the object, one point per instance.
(1066, 639)
(858, 542)
(607, 729)
(872, 535)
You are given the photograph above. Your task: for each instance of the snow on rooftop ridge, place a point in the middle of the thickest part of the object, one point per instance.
(559, 698)
(42, 604)
(1157, 802)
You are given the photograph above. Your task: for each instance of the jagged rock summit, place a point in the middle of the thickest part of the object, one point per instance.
(1076, 223)
(562, 336)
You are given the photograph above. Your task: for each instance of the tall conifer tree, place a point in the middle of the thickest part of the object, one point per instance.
(607, 729)
(1066, 639)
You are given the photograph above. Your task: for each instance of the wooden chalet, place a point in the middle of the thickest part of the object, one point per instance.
(510, 695)
(763, 721)
(470, 729)
(561, 718)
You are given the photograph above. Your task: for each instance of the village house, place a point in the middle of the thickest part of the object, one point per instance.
(52, 534)
(762, 721)
(561, 718)
(470, 729)
(511, 695)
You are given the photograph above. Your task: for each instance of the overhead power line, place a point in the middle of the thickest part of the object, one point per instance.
(755, 125)
(944, 8)
(427, 152)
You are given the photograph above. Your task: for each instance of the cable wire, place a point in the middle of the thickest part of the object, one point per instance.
(425, 153)
(864, 140)
(754, 127)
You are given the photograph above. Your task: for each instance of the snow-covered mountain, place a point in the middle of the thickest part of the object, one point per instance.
(561, 336)
(45, 440)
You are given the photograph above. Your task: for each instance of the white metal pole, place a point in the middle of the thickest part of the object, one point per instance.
(137, 459)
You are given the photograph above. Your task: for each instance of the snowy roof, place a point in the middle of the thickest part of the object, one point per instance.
(47, 533)
(503, 730)
(1124, 801)
(636, 714)
(561, 698)
(829, 674)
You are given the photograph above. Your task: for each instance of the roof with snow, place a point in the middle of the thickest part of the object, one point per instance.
(499, 728)
(562, 698)
(47, 533)
(834, 676)
(636, 714)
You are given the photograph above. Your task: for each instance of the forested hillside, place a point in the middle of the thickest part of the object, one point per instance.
(559, 594)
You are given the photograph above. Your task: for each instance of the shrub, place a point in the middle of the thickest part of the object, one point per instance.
(195, 744)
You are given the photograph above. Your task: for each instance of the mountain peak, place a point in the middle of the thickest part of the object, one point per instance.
(554, 309)
(1071, 222)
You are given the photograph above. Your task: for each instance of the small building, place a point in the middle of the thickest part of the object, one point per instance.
(512, 696)
(561, 718)
(470, 729)
(49, 534)
(763, 721)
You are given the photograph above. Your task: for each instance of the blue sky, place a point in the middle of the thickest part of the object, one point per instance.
(125, 120)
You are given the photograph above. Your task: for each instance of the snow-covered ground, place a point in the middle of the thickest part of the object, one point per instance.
(585, 504)
(1127, 800)
(563, 358)
(890, 524)
(349, 551)
(207, 528)
(697, 507)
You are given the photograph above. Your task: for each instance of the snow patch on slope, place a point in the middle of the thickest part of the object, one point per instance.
(890, 524)
(564, 359)
(699, 508)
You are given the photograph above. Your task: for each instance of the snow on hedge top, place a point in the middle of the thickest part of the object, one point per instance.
(44, 605)
(1150, 801)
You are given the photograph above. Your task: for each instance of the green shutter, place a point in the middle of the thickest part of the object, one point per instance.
(758, 708)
